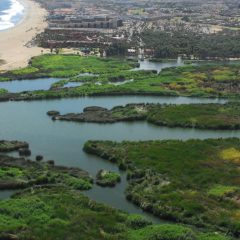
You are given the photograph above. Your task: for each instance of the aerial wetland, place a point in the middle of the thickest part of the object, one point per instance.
(182, 123)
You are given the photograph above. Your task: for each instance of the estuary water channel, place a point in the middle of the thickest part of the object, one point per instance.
(63, 141)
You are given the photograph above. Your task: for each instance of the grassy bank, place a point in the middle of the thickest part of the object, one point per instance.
(195, 181)
(67, 66)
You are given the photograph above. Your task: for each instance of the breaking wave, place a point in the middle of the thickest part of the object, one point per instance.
(10, 17)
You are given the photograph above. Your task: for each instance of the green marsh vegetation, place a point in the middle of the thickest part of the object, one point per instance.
(203, 116)
(224, 44)
(52, 206)
(3, 91)
(194, 182)
(207, 80)
(61, 213)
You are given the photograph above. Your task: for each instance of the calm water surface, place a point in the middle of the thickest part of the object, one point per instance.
(158, 66)
(17, 86)
(73, 84)
(6, 194)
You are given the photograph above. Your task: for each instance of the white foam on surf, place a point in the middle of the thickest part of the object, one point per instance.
(7, 17)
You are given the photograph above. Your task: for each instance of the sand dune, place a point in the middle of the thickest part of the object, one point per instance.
(14, 48)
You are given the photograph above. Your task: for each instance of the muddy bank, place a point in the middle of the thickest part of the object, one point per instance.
(8, 146)
(131, 112)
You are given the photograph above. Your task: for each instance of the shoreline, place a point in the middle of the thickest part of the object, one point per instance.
(20, 20)
(14, 52)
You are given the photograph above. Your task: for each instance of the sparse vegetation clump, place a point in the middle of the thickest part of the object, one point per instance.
(107, 178)
(3, 91)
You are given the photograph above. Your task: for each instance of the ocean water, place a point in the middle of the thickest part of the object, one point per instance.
(11, 12)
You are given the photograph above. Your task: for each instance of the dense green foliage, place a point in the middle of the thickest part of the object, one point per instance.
(194, 181)
(205, 116)
(60, 213)
(224, 44)
(3, 91)
(114, 78)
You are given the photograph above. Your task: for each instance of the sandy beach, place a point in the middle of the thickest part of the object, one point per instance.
(14, 48)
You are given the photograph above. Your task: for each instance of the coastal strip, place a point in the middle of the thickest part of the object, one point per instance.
(15, 50)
